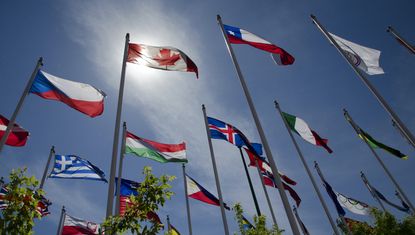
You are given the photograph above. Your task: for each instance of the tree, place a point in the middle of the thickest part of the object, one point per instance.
(152, 194)
(385, 223)
(259, 227)
(22, 201)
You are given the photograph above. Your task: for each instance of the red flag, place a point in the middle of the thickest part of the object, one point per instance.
(17, 137)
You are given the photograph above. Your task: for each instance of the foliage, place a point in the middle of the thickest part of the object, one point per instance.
(259, 226)
(152, 194)
(22, 200)
(385, 223)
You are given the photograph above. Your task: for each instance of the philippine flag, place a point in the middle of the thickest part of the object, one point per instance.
(80, 96)
(241, 36)
(196, 191)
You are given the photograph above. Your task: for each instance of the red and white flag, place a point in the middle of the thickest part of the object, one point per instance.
(164, 58)
(17, 137)
(75, 226)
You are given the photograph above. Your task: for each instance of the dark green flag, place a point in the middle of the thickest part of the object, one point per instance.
(375, 144)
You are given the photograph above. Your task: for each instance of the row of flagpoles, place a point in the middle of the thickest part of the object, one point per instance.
(51, 87)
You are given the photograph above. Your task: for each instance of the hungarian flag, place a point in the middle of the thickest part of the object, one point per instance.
(17, 137)
(375, 144)
(164, 58)
(154, 150)
(75, 226)
(241, 36)
(300, 127)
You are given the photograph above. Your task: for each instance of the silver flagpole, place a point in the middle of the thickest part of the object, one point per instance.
(299, 221)
(381, 100)
(61, 221)
(250, 183)
(20, 103)
(168, 224)
(189, 221)
(124, 135)
(401, 39)
(341, 216)
(261, 133)
(266, 193)
(374, 195)
(358, 131)
(110, 198)
(45, 172)
(215, 171)
(400, 198)
(307, 169)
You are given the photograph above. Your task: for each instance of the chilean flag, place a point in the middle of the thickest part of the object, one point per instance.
(80, 96)
(241, 36)
(196, 191)
(17, 137)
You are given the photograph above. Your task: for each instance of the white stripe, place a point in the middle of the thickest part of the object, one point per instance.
(302, 128)
(192, 187)
(72, 169)
(247, 36)
(134, 143)
(14, 129)
(83, 175)
(175, 155)
(75, 222)
(75, 90)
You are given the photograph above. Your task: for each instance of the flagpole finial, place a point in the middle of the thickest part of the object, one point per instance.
(40, 61)
(315, 164)
(52, 149)
(276, 104)
(218, 18)
(312, 16)
(389, 29)
(203, 107)
(124, 124)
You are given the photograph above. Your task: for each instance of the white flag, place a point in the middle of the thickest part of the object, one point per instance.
(365, 58)
(353, 205)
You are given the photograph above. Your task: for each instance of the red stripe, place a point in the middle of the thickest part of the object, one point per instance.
(73, 230)
(17, 137)
(321, 142)
(202, 197)
(90, 108)
(160, 146)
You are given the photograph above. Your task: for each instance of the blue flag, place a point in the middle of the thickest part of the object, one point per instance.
(74, 167)
(333, 197)
(383, 198)
(127, 187)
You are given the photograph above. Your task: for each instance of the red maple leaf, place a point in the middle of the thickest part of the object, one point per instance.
(166, 57)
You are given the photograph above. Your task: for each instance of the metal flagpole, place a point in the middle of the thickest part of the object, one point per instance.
(20, 103)
(189, 222)
(401, 39)
(110, 198)
(374, 195)
(300, 154)
(124, 134)
(61, 221)
(401, 133)
(261, 133)
(215, 171)
(324, 180)
(358, 131)
(299, 221)
(381, 100)
(400, 198)
(266, 193)
(45, 172)
(250, 183)
(168, 224)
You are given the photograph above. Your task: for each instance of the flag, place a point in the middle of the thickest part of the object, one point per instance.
(375, 144)
(246, 224)
(173, 230)
(43, 206)
(196, 191)
(365, 58)
(3, 193)
(353, 205)
(74, 167)
(300, 127)
(333, 197)
(241, 36)
(155, 151)
(351, 222)
(75, 226)
(383, 198)
(80, 96)
(404, 205)
(270, 181)
(303, 227)
(17, 137)
(164, 58)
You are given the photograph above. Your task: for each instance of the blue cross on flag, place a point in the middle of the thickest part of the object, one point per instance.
(71, 166)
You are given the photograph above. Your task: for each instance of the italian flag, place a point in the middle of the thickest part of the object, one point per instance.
(153, 150)
(300, 127)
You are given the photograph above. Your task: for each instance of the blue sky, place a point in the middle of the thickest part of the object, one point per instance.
(83, 41)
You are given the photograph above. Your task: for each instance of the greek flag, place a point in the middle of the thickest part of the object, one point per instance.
(71, 166)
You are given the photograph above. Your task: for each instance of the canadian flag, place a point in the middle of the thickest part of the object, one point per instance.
(164, 58)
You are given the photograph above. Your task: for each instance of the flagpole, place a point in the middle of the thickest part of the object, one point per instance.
(61, 221)
(374, 195)
(358, 131)
(324, 180)
(45, 172)
(300, 154)
(20, 103)
(401, 39)
(215, 171)
(124, 135)
(168, 224)
(110, 198)
(381, 100)
(250, 183)
(299, 220)
(400, 198)
(189, 222)
(261, 133)
(266, 193)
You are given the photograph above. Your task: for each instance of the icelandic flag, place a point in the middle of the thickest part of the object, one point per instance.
(74, 167)
(80, 96)
(196, 191)
(241, 36)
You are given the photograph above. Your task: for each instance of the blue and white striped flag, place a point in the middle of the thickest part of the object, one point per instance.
(71, 166)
